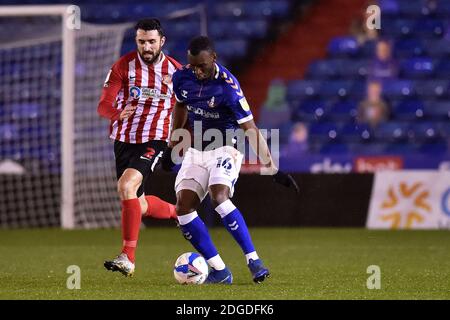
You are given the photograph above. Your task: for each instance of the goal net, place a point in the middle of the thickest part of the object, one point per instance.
(56, 161)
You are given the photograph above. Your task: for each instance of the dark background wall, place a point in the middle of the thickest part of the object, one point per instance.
(340, 200)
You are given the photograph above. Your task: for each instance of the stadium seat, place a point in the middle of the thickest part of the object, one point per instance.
(437, 48)
(310, 110)
(389, 7)
(406, 48)
(343, 110)
(425, 132)
(397, 88)
(443, 69)
(355, 133)
(353, 69)
(336, 88)
(417, 68)
(323, 69)
(302, 88)
(438, 110)
(343, 46)
(393, 132)
(429, 28)
(398, 28)
(429, 88)
(323, 132)
(409, 110)
(231, 48)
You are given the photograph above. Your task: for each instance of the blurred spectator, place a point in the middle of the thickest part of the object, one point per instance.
(373, 110)
(298, 141)
(359, 28)
(383, 66)
(275, 112)
(430, 7)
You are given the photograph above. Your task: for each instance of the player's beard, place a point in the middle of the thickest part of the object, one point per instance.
(153, 58)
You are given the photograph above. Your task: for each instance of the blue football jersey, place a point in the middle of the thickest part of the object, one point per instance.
(218, 103)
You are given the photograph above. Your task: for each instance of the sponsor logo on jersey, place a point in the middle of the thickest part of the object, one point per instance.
(203, 113)
(137, 93)
(211, 102)
(184, 93)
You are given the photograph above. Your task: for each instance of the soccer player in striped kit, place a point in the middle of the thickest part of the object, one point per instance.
(138, 99)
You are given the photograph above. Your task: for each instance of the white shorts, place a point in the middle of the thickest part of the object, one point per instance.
(201, 169)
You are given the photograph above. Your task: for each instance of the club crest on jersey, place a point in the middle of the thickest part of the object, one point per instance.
(211, 102)
(167, 79)
(135, 92)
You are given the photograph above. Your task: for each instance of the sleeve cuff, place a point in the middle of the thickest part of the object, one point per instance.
(247, 118)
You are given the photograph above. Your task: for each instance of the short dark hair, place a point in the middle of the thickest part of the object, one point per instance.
(150, 24)
(199, 44)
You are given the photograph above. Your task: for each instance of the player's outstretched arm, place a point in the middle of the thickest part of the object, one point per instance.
(261, 149)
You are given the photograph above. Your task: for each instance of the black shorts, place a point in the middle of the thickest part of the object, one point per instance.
(143, 157)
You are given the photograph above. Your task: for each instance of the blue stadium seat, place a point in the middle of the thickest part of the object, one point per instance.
(354, 68)
(336, 88)
(438, 48)
(323, 132)
(272, 8)
(429, 28)
(394, 132)
(405, 48)
(323, 69)
(343, 46)
(425, 132)
(431, 88)
(231, 48)
(409, 110)
(438, 110)
(302, 88)
(355, 133)
(417, 68)
(410, 8)
(443, 69)
(397, 28)
(389, 7)
(444, 129)
(310, 110)
(397, 88)
(344, 110)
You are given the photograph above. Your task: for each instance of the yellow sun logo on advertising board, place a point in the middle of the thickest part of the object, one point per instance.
(415, 197)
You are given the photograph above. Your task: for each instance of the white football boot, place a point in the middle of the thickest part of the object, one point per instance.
(122, 264)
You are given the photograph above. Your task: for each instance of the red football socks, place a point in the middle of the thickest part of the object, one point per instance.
(131, 223)
(160, 209)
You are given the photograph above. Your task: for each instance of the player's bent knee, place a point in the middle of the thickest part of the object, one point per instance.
(127, 188)
(219, 197)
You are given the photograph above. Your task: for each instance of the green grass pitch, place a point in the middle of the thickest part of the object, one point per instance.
(306, 263)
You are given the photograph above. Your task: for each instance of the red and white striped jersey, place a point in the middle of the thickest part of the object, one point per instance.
(148, 87)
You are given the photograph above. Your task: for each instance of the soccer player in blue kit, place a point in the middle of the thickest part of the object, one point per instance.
(209, 93)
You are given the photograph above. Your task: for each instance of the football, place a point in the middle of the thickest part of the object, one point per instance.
(190, 268)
